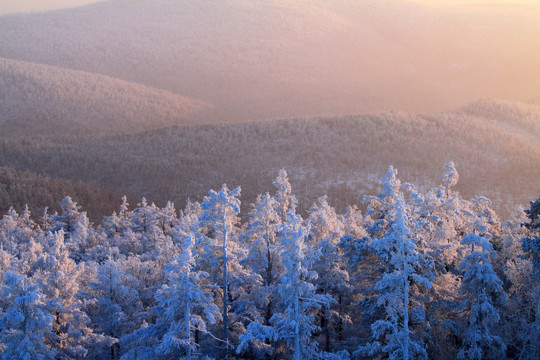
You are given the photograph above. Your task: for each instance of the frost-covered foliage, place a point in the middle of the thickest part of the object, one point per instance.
(407, 272)
(417, 275)
(531, 246)
(264, 256)
(482, 287)
(293, 323)
(338, 156)
(326, 230)
(284, 197)
(450, 177)
(221, 257)
(26, 324)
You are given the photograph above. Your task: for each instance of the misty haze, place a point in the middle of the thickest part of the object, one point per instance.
(269, 179)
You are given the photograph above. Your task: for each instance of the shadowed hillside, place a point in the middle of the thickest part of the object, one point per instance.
(21, 188)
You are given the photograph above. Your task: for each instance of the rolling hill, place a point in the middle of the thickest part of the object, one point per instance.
(496, 154)
(39, 99)
(267, 59)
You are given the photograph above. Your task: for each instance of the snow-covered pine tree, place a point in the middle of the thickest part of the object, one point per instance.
(116, 224)
(363, 268)
(450, 177)
(114, 306)
(17, 232)
(76, 228)
(60, 284)
(294, 323)
(531, 247)
(166, 218)
(143, 216)
(68, 218)
(353, 222)
(444, 215)
(481, 287)
(144, 279)
(285, 199)
(518, 318)
(185, 303)
(26, 325)
(326, 230)
(220, 256)
(408, 272)
(264, 256)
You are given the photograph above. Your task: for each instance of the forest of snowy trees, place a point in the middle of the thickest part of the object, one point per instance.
(414, 276)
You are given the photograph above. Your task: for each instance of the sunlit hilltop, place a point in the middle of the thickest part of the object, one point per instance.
(259, 59)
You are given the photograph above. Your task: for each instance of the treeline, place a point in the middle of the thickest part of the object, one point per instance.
(20, 189)
(418, 275)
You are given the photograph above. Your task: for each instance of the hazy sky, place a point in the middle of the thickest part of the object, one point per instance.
(11, 6)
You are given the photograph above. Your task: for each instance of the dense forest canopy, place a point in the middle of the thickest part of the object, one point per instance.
(417, 275)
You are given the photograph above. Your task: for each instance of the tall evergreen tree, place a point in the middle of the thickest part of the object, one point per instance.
(482, 287)
(285, 199)
(295, 322)
(264, 256)
(408, 270)
(326, 230)
(221, 256)
(61, 286)
(531, 247)
(186, 305)
(26, 325)
(115, 306)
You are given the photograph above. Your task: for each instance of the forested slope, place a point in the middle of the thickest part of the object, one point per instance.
(498, 155)
(38, 99)
(21, 188)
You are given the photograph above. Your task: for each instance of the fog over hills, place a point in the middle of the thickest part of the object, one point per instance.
(44, 100)
(495, 145)
(258, 59)
(156, 98)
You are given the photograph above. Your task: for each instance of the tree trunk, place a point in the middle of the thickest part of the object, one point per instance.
(326, 315)
(297, 327)
(188, 320)
(225, 293)
(340, 323)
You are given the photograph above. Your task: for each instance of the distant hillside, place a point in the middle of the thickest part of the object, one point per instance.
(21, 188)
(44, 100)
(267, 59)
(522, 118)
(496, 154)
